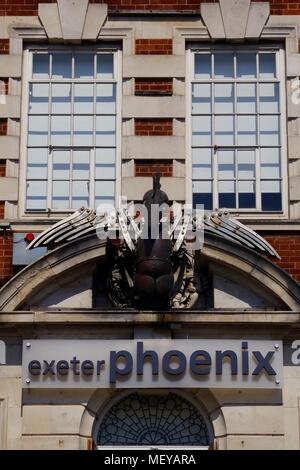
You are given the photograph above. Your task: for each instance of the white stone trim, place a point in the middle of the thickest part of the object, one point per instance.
(153, 147)
(49, 17)
(9, 189)
(95, 18)
(72, 14)
(153, 107)
(72, 20)
(153, 66)
(235, 19)
(134, 188)
(11, 108)
(9, 147)
(10, 65)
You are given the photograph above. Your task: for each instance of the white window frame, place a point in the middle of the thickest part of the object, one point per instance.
(280, 64)
(26, 74)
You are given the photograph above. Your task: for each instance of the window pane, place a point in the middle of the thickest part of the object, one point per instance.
(104, 192)
(84, 98)
(246, 98)
(38, 131)
(227, 194)
(36, 195)
(81, 164)
(246, 65)
(60, 194)
(224, 98)
(269, 97)
(61, 65)
(106, 98)
(105, 66)
(247, 198)
(267, 65)
(202, 66)
(80, 194)
(40, 66)
(84, 65)
(224, 130)
(224, 65)
(60, 130)
(61, 165)
(37, 163)
(246, 164)
(39, 98)
(201, 131)
(201, 98)
(202, 194)
(246, 130)
(106, 131)
(61, 98)
(105, 163)
(83, 130)
(201, 163)
(226, 164)
(269, 130)
(270, 163)
(271, 196)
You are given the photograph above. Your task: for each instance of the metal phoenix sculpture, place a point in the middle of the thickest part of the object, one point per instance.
(150, 256)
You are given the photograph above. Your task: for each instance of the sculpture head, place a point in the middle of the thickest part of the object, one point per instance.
(155, 196)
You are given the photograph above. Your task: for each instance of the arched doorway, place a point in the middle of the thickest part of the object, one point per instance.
(147, 419)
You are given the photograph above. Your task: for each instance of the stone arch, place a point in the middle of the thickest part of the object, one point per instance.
(102, 401)
(50, 270)
(258, 271)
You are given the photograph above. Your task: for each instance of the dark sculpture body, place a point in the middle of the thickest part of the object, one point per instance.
(154, 272)
(151, 265)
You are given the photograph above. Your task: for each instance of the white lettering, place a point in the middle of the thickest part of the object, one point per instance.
(153, 460)
(114, 460)
(296, 354)
(171, 459)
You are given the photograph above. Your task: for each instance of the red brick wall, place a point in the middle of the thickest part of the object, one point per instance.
(146, 168)
(6, 250)
(4, 44)
(4, 86)
(2, 168)
(288, 247)
(3, 126)
(153, 126)
(2, 206)
(154, 46)
(153, 85)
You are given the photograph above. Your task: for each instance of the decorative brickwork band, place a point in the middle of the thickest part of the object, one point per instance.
(154, 46)
(146, 168)
(3, 126)
(152, 86)
(153, 126)
(4, 43)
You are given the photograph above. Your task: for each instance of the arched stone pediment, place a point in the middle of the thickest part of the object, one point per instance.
(53, 275)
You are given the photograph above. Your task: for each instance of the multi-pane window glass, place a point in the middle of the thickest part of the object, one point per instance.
(71, 144)
(236, 138)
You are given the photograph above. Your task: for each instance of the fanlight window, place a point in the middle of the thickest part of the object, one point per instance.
(145, 420)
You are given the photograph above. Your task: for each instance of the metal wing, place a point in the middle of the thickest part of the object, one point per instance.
(87, 222)
(224, 226)
(82, 222)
